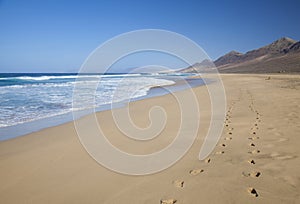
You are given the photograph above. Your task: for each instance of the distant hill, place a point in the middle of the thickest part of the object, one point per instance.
(231, 57)
(283, 55)
(205, 66)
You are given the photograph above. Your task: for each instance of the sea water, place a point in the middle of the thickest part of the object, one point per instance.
(31, 101)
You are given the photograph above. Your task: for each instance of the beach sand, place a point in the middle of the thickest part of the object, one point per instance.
(257, 159)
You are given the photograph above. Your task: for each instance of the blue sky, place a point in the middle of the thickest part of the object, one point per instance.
(57, 36)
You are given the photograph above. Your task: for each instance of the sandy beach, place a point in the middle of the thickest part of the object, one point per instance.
(257, 159)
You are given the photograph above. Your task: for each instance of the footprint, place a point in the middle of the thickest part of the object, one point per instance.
(178, 183)
(256, 151)
(208, 160)
(255, 174)
(220, 152)
(252, 174)
(251, 161)
(223, 145)
(230, 133)
(253, 192)
(194, 172)
(252, 144)
(168, 201)
(228, 138)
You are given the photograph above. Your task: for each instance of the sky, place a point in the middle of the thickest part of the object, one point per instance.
(57, 36)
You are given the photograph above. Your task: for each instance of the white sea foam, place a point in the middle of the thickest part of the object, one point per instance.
(49, 77)
(21, 103)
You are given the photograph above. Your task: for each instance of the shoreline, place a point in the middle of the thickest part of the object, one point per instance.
(51, 165)
(26, 128)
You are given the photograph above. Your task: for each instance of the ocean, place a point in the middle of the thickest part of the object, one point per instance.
(33, 101)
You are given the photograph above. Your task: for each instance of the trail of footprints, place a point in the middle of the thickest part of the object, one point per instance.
(195, 172)
(253, 138)
(252, 145)
(228, 128)
(253, 174)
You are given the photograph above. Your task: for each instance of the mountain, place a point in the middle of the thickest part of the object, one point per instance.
(283, 55)
(230, 57)
(294, 48)
(205, 66)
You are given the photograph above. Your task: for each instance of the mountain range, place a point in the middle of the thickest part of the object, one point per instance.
(283, 55)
